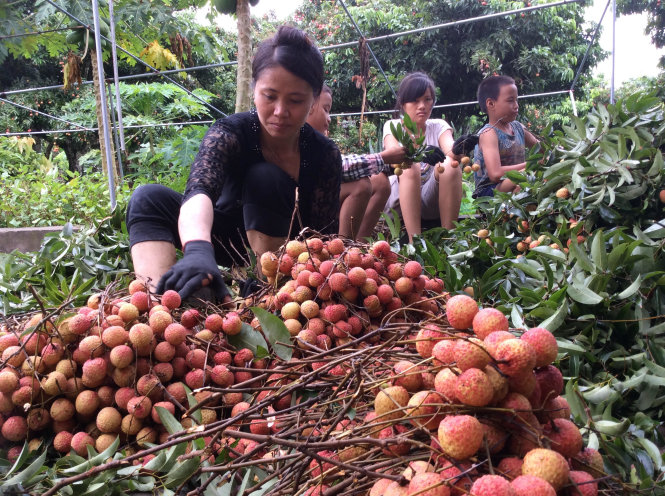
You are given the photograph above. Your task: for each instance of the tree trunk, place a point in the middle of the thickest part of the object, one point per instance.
(244, 69)
(100, 123)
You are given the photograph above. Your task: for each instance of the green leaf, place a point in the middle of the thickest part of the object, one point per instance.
(529, 270)
(275, 331)
(25, 475)
(168, 420)
(577, 407)
(554, 322)
(582, 258)
(652, 450)
(22, 457)
(611, 427)
(551, 253)
(583, 295)
(82, 467)
(181, 472)
(630, 290)
(196, 414)
(598, 253)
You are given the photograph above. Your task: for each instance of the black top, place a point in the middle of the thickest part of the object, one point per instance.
(232, 144)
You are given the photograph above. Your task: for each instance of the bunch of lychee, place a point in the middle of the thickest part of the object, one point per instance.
(100, 373)
(335, 293)
(494, 396)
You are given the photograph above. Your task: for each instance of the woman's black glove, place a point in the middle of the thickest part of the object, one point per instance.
(433, 155)
(187, 275)
(465, 144)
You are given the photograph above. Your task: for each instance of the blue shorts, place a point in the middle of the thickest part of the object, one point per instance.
(487, 190)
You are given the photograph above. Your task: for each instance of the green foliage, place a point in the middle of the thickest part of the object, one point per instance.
(344, 132)
(597, 282)
(69, 266)
(540, 49)
(410, 137)
(54, 194)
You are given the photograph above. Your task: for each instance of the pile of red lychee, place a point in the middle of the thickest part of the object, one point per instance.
(417, 391)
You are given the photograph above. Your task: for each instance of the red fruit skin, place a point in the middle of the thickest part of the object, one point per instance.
(460, 311)
(487, 321)
(544, 344)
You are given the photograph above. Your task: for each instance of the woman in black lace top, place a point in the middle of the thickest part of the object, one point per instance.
(242, 185)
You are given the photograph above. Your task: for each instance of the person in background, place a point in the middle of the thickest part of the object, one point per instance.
(356, 189)
(242, 185)
(502, 142)
(421, 192)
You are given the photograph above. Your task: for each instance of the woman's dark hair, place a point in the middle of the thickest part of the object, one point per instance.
(291, 49)
(490, 88)
(412, 87)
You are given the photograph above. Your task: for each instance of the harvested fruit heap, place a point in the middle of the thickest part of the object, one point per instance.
(388, 386)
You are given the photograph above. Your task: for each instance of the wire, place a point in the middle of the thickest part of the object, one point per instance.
(196, 123)
(19, 35)
(588, 48)
(368, 47)
(330, 47)
(44, 114)
(139, 60)
(453, 23)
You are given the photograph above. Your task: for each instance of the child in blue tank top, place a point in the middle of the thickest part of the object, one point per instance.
(502, 143)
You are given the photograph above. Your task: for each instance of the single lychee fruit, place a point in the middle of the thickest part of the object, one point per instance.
(493, 340)
(62, 410)
(170, 407)
(13, 356)
(62, 442)
(14, 429)
(141, 301)
(231, 324)
(427, 338)
(445, 382)
(564, 436)
(114, 336)
(489, 320)
(79, 442)
(543, 343)
(87, 402)
(515, 357)
(389, 403)
(149, 385)
(94, 371)
(550, 382)
(407, 375)
(474, 388)
(121, 356)
(159, 321)
(164, 352)
(460, 311)
(171, 299)
(460, 436)
(530, 485)
(548, 465)
(426, 409)
(589, 460)
(492, 485)
(471, 353)
(127, 312)
(109, 420)
(510, 467)
(428, 484)
(140, 335)
(79, 324)
(562, 193)
(583, 484)
(139, 406)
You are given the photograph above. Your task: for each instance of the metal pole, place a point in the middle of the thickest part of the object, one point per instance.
(104, 109)
(614, 34)
(142, 62)
(118, 103)
(368, 47)
(115, 133)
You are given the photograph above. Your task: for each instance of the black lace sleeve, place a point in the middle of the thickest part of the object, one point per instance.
(320, 179)
(220, 149)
